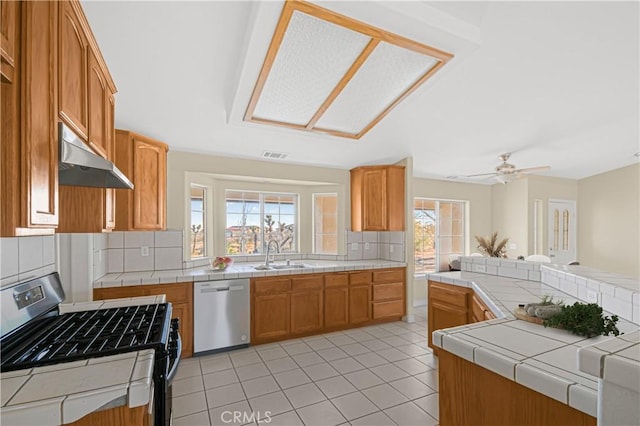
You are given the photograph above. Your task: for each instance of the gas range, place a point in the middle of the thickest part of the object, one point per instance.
(35, 334)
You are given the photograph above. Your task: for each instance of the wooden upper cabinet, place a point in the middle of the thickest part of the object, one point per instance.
(87, 105)
(377, 198)
(72, 73)
(9, 18)
(37, 180)
(144, 161)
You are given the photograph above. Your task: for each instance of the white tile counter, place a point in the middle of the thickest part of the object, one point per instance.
(66, 392)
(237, 270)
(542, 359)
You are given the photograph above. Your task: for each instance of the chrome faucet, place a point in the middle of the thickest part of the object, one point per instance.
(266, 260)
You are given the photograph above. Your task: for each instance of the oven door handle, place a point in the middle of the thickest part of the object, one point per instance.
(174, 367)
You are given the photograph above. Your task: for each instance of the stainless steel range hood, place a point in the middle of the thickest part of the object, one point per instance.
(79, 166)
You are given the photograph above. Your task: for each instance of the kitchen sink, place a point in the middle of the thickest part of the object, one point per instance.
(281, 266)
(290, 266)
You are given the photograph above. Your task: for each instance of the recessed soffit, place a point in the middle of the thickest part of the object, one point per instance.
(327, 73)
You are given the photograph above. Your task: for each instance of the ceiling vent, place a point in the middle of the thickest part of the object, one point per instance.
(328, 73)
(272, 155)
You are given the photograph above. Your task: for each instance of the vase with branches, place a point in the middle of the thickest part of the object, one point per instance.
(491, 246)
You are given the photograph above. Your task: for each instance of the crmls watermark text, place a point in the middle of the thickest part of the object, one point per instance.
(243, 417)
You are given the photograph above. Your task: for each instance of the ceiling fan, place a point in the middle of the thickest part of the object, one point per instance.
(506, 172)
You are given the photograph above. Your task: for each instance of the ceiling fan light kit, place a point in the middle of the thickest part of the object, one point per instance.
(505, 172)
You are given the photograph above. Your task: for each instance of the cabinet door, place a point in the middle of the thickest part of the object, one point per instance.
(39, 150)
(8, 37)
(306, 311)
(149, 175)
(359, 304)
(374, 200)
(98, 94)
(442, 316)
(336, 306)
(270, 316)
(72, 73)
(184, 315)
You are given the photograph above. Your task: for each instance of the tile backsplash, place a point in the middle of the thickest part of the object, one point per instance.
(139, 251)
(375, 245)
(24, 257)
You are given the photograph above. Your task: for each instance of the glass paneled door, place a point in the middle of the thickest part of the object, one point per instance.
(439, 234)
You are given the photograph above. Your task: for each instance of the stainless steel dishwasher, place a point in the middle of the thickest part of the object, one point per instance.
(221, 314)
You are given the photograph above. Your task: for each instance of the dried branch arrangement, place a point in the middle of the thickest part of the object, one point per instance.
(491, 247)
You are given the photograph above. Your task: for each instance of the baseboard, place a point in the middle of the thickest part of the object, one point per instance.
(409, 318)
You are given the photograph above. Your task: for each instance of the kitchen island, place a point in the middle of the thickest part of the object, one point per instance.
(532, 369)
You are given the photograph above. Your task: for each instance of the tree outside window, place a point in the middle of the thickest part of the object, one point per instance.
(255, 218)
(198, 246)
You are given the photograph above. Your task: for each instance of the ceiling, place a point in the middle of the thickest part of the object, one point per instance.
(554, 83)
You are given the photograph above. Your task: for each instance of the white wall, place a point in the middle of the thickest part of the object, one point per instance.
(510, 215)
(609, 221)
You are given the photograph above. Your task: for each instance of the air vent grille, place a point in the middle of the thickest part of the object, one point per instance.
(272, 155)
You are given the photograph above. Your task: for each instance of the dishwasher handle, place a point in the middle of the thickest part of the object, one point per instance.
(213, 288)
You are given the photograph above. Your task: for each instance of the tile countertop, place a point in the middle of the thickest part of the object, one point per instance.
(237, 270)
(542, 359)
(63, 393)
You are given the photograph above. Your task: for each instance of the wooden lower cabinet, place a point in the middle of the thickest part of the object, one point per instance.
(306, 311)
(180, 295)
(359, 304)
(301, 305)
(336, 307)
(117, 416)
(270, 317)
(472, 395)
(448, 306)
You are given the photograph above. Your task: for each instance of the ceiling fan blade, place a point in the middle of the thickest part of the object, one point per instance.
(482, 174)
(532, 169)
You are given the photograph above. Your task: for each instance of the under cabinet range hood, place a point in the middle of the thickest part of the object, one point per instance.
(79, 166)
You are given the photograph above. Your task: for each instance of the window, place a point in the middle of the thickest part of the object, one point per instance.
(198, 246)
(439, 233)
(325, 223)
(424, 229)
(255, 218)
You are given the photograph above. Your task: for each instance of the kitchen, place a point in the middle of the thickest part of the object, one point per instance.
(116, 258)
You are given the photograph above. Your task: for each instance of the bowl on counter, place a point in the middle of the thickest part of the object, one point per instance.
(221, 263)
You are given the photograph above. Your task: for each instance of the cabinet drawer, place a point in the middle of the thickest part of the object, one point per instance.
(449, 294)
(363, 277)
(336, 280)
(388, 276)
(307, 283)
(393, 308)
(175, 293)
(388, 291)
(270, 286)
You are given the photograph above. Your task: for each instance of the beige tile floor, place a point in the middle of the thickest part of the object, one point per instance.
(378, 375)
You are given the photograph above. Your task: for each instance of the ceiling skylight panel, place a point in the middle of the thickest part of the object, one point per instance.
(312, 59)
(386, 75)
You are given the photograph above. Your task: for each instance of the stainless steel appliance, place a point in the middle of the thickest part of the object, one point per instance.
(79, 166)
(34, 334)
(221, 315)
